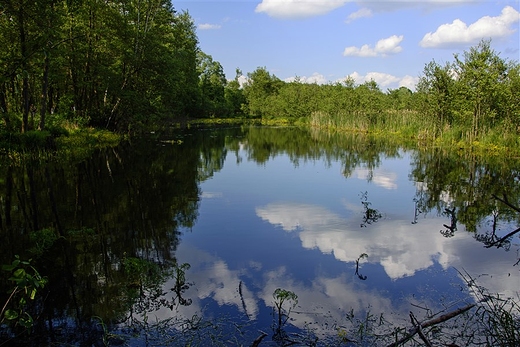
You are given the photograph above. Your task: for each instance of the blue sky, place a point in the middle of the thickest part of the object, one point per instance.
(327, 40)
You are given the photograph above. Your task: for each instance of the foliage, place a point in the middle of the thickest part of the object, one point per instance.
(109, 64)
(27, 283)
(43, 240)
(280, 297)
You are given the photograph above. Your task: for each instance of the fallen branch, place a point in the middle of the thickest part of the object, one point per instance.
(416, 324)
(417, 328)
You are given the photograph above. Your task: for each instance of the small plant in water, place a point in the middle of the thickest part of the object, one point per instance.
(370, 215)
(282, 296)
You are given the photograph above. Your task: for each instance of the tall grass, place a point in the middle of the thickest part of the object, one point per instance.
(409, 124)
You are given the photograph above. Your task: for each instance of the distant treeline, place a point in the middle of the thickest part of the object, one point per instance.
(126, 64)
(477, 96)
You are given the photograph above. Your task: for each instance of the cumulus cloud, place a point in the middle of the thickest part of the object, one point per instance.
(383, 79)
(392, 5)
(383, 48)
(409, 82)
(314, 78)
(208, 26)
(458, 32)
(361, 13)
(297, 9)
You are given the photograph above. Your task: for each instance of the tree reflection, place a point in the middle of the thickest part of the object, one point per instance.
(104, 229)
(450, 229)
(110, 230)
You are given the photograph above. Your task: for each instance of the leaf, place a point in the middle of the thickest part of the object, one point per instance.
(26, 320)
(8, 267)
(10, 314)
(33, 294)
(19, 273)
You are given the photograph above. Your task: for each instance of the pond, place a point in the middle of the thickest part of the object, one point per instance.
(224, 235)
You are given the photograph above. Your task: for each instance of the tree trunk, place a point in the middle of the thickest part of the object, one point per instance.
(45, 86)
(3, 107)
(25, 78)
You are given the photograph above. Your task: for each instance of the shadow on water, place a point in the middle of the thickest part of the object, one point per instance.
(103, 231)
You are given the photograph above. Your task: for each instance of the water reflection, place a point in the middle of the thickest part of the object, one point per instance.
(401, 248)
(252, 210)
(382, 178)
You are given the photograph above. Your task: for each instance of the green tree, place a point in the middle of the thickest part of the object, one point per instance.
(234, 96)
(259, 88)
(212, 85)
(480, 78)
(436, 93)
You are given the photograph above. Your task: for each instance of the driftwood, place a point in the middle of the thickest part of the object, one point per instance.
(417, 329)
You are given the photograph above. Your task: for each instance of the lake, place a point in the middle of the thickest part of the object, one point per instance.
(185, 237)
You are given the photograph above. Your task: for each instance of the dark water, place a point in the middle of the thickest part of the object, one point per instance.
(350, 225)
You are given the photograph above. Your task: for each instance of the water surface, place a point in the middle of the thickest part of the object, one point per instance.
(349, 224)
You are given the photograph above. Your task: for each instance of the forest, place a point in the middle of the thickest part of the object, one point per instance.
(129, 66)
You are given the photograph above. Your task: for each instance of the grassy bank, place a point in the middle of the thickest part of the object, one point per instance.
(411, 128)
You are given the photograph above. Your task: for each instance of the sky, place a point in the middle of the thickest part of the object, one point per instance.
(324, 41)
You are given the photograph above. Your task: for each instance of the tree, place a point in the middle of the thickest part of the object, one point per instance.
(212, 83)
(436, 90)
(234, 95)
(260, 86)
(401, 98)
(104, 63)
(480, 78)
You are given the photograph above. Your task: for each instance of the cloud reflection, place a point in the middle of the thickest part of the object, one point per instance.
(398, 246)
(379, 177)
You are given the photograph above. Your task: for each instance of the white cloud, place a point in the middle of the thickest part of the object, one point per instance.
(392, 5)
(361, 13)
(458, 32)
(381, 78)
(409, 82)
(383, 47)
(211, 195)
(314, 78)
(207, 26)
(296, 9)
